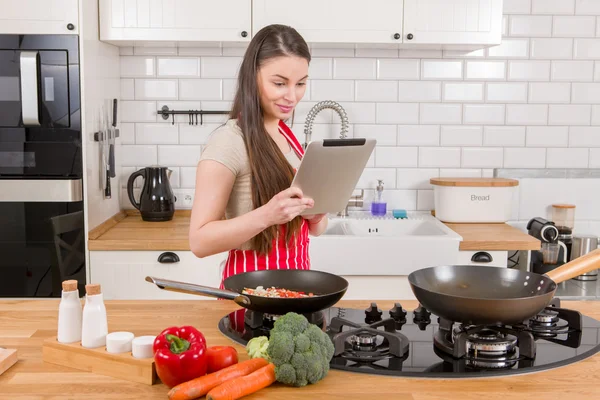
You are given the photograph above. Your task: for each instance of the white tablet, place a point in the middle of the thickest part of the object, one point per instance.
(330, 170)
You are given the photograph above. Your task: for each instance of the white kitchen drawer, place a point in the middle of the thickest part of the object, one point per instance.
(122, 273)
(479, 257)
(39, 17)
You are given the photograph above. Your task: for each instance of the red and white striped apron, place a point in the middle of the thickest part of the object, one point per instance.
(283, 255)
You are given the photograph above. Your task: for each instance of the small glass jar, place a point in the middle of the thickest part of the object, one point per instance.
(563, 216)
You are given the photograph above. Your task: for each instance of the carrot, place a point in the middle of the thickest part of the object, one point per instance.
(200, 386)
(244, 385)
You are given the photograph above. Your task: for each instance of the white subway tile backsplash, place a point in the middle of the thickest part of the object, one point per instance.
(398, 69)
(331, 52)
(587, 7)
(125, 174)
(126, 133)
(586, 93)
(555, 48)
(574, 27)
(486, 70)
(547, 136)
(156, 133)
(320, 68)
(446, 157)
(553, 7)
(507, 92)
(178, 67)
(504, 136)
(464, 53)
(597, 71)
(200, 51)
(370, 176)
(375, 91)
(397, 113)
(438, 69)
(196, 134)
(138, 111)
(354, 68)
(425, 200)
(567, 158)
(460, 135)
(375, 52)
(569, 114)
(187, 177)
(384, 134)
(575, 71)
(461, 92)
(127, 89)
(490, 114)
(416, 53)
(510, 48)
(419, 91)
(133, 155)
(401, 157)
(460, 173)
(219, 67)
(337, 90)
(516, 6)
(136, 67)
(546, 92)
(229, 88)
(596, 114)
(482, 157)
(524, 157)
(155, 51)
(359, 113)
(179, 156)
(530, 26)
(441, 114)
(156, 89)
(588, 49)
(526, 114)
(584, 136)
(529, 70)
(418, 135)
(415, 178)
(125, 51)
(594, 158)
(200, 89)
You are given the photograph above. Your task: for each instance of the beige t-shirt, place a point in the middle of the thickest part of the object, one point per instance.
(226, 146)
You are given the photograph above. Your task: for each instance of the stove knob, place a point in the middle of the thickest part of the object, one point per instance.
(373, 314)
(398, 313)
(421, 314)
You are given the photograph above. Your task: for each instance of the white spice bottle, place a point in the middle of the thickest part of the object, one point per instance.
(95, 325)
(69, 313)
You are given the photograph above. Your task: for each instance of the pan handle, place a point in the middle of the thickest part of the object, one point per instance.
(190, 288)
(578, 266)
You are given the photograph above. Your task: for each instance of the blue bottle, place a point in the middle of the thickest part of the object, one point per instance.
(379, 206)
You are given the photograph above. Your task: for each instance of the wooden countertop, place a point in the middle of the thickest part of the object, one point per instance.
(127, 231)
(27, 323)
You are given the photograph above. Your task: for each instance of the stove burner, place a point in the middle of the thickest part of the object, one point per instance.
(255, 319)
(502, 362)
(488, 342)
(546, 317)
(363, 339)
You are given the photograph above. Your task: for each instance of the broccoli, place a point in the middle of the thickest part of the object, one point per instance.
(300, 351)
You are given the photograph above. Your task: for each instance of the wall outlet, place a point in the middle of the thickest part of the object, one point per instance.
(188, 199)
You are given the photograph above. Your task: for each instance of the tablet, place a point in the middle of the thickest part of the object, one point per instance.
(330, 170)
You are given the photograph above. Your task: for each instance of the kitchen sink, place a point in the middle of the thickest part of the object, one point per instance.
(384, 227)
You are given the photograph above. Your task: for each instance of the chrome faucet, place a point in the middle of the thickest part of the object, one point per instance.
(355, 201)
(317, 108)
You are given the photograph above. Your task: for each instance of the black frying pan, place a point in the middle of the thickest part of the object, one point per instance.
(327, 288)
(489, 295)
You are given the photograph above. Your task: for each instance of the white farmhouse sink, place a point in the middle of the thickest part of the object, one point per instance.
(364, 245)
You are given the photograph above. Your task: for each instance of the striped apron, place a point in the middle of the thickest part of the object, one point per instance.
(283, 254)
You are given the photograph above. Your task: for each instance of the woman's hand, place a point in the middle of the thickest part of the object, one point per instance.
(285, 206)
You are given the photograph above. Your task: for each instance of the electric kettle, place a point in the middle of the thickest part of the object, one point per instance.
(157, 202)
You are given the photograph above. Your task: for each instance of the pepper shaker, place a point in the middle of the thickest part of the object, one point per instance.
(95, 325)
(69, 313)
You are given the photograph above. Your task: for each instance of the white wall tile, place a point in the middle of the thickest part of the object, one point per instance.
(156, 89)
(133, 155)
(567, 158)
(517, 6)
(320, 68)
(547, 136)
(594, 158)
(200, 89)
(342, 90)
(375, 52)
(178, 67)
(437, 69)
(587, 7)
(178, 156)
(174, 179)
(396, 157)
(220, 67)
(156, 133)
(420, 53)
(127, 89)
(490, 114)
(126, 133)
(398, 69)
(197, 134)
(125, 51)
(569, 114)
(526, 114)
(530, 26)
(418, 135)
(546, 92)
(575, 71)
(597, 71)
(359, 113)
(553, 7)
(229, 88)
(397, 113)
(586, 93)
(486, 70)
(441, 114)
(461, 92)
(504, 136)
(384, 134)
(510, 48)
(555, 48)
(354, 68)
(460, 173)
(138, 111)
(524, 157)
(200, 51)
(324, 117)
(155, 51)
(459, 135)
(187, 177)
(331, 52)
(375, 91)
(504, 25)
(588, 49)
(584, 136)
(415, 178)
(464, 53)
(125, 174)
(136, 67)
(425, 200)
(507, 92)
(596, 114)
(419, 91)
(369, 177)
(574, 27)
(446, 157)
(482, 157)
(528, 70)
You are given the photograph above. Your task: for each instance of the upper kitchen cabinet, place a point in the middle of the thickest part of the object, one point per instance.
(39, 17)
(128, 22)
(456, 24)
(334, 21)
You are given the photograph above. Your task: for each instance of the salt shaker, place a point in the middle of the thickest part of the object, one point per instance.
(95, 325)
(69, 313)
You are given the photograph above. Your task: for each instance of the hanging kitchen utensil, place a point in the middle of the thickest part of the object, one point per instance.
(106, 129)
(111, 141)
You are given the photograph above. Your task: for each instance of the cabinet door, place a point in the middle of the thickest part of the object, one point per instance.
(122, 273)
(39, 16)
(175, 20)
(457, 22)
(333, 21)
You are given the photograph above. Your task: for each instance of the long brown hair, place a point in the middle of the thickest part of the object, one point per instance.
(271, 173)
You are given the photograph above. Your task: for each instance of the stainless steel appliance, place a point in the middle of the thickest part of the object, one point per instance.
(582, 245)
(41, 170)
(547, 232)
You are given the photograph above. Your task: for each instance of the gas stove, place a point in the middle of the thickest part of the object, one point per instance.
(421, 344)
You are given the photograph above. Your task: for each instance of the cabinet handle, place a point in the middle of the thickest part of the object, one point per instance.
(70, 27)
(409, 36)
(168, 257)
(396, 36)
(482, 257)
(244, 34)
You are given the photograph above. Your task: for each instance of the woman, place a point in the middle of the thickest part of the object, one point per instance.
(248, 164)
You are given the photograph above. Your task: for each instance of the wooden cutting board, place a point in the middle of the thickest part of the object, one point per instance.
(8, 358)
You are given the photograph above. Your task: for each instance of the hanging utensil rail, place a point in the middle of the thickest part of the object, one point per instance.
(165, 112)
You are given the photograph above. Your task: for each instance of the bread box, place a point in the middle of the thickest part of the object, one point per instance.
(473, 200)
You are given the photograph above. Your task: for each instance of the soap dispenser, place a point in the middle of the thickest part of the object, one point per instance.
(379, 206)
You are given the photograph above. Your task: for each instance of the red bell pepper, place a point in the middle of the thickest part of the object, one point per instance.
(180, 355)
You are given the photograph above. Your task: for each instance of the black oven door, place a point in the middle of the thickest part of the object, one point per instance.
(41, 237)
